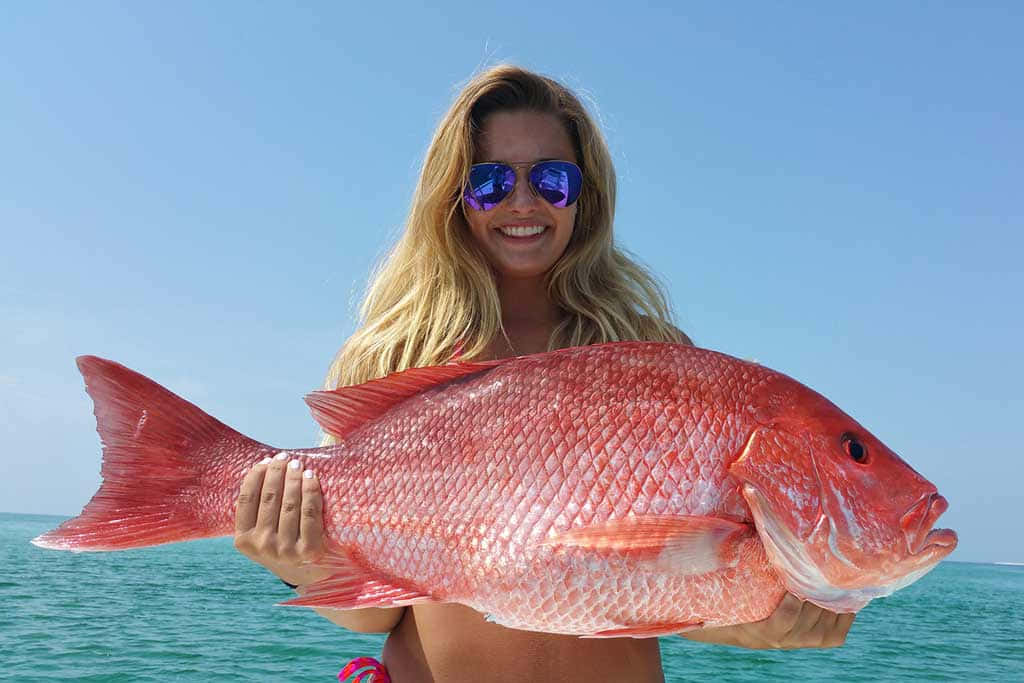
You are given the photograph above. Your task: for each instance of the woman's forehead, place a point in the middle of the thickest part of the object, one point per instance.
(519, 136)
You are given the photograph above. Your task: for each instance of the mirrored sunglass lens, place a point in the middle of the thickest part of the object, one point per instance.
(488, 185)
(558, 182)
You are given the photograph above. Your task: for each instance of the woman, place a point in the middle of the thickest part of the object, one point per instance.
(518, 260)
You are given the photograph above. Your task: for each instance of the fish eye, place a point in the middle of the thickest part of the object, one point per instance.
(855, 449)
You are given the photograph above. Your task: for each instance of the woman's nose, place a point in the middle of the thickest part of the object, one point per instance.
(522, 195)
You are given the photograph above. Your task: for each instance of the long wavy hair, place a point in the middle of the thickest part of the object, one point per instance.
(435, 290)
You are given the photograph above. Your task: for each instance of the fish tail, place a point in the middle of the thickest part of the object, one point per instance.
(161, 456)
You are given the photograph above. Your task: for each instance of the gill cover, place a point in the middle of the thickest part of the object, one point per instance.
(781, 485)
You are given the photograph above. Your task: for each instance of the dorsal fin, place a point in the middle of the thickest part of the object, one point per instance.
(340, 411)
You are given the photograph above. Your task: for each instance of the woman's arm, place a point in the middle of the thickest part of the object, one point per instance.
(279, 524)
(793, 624)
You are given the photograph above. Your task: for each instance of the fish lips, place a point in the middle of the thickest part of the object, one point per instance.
(918, 522)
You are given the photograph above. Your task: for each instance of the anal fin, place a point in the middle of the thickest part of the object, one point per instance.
(354, 587)
(343, 591)
(647, 630)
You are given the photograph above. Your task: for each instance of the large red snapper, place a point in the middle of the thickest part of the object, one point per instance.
(620, 489)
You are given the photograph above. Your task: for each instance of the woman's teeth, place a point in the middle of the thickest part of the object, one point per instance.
(524, 231)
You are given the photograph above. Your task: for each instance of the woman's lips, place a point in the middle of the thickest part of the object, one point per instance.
(522, 233)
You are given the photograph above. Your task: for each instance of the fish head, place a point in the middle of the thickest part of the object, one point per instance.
(842, 517)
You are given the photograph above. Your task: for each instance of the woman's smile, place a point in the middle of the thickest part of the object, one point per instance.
(522, 232)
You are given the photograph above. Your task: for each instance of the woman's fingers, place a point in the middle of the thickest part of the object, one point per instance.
(798, 624)
(291, 505)
(270, 495)
(311, 530)
(823, 630)
(842, 628)
(806, 632)
(833, 631)
(817, 627)
(778, 627)
(793, 624)
(279, 519)
(248, 503)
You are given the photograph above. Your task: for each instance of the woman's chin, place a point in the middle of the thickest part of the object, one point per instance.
(518, 263)
(508, 273)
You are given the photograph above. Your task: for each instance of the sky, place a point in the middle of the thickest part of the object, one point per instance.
(200, 191)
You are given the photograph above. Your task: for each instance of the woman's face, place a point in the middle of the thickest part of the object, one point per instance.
(526, 137)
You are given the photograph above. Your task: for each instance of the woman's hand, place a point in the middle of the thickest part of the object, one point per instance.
(279, 519)
(279, 524)
(793, 624)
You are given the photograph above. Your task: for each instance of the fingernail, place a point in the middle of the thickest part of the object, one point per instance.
(308, 474)
(294, 465)
(281, 456)
(264, 461)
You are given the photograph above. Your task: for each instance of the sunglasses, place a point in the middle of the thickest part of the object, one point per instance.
(557, 182)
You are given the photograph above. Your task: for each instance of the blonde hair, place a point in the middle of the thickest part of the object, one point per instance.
(435, 289)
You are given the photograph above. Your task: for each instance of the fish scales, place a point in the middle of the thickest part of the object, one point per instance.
(619, 489)
(480, 471)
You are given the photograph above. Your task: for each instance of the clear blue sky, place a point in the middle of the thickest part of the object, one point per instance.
(198, 190)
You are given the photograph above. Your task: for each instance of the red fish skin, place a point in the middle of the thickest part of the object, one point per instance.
(511, 488)
(476, 474)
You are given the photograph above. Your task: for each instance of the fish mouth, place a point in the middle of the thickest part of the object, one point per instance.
(917, 523)
(940, 538)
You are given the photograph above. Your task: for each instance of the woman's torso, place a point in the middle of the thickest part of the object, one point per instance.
(453, 643)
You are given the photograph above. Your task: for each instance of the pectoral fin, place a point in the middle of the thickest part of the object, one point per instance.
(681, 544)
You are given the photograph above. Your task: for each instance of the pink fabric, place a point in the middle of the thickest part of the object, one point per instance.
(364, 670)
(457, 353)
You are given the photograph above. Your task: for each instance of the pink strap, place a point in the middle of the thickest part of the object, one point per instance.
(365, 670)
(457, 353)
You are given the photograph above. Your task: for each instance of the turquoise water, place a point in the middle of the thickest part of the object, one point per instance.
(199, 611)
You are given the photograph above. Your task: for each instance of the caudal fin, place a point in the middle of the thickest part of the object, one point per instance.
(161, 458)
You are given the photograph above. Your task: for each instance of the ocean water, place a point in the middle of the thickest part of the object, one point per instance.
(199, 611)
